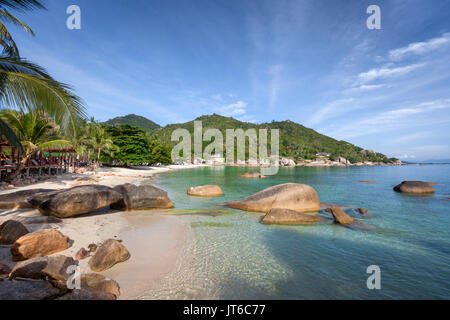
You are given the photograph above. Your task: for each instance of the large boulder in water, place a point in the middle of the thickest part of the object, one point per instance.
(19, 199)
(205, 191)
(289, 217)
(293, 196)
(79, 200)
(341, 217)
(10, 231)
(251, 175)
(145, 197)
(416, 187)
(108, 254)
(42, 242)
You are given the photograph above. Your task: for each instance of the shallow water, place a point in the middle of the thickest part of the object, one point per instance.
(234, 256)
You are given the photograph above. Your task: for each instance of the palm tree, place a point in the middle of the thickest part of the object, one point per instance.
(99, 140)
(24, 84)
(35, 131)
(6, 41)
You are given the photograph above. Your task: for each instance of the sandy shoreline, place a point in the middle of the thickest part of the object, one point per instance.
(155, 241)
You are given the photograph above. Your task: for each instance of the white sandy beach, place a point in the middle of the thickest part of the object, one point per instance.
(155, 241)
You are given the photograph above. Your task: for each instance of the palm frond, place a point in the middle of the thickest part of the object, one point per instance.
(22, 5)
(6, 41)
(10, 135)
(8, 17)
(24, 84)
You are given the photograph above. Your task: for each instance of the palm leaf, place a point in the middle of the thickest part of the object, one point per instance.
(22, 5)
(23, 83)
(6, 41)
(8, 17)
(10, 135)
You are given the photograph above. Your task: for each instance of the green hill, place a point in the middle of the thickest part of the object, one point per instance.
(135, 121)
(296, 141)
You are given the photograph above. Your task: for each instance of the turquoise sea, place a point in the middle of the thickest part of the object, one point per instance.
(234, 256)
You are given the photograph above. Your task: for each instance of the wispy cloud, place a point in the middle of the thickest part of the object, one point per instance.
(420, 108)
(418, 48)
(331, 107)
(365, 88)
(233, 109)
(275, 85)
(386, 72)
(388, 119)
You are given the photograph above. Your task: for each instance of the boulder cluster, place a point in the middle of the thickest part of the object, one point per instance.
(41, 272)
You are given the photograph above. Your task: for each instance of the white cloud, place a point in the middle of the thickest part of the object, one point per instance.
(420, 108)
(386, 72)
(365, 88)
(233, 109)
(388, 119)
(418, 48)
(330, 108)
(275, 85)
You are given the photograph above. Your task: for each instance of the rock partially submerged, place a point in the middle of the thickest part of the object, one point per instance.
(414, 187)
(42, 242)
(341, 217)
(10, 231)
(108, 254)
(251, 175)
(145, 197)
(205, 191)
(366, 181)
(289, 217)
(293, 196)
(361, 226)
(363, 211)
(79, 200)
(19, 199)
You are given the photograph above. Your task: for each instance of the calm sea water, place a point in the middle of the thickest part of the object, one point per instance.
(234, 256)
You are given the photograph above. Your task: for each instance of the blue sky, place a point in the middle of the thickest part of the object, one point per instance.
(312, 62)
